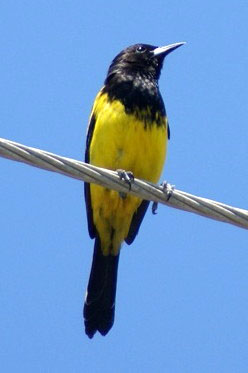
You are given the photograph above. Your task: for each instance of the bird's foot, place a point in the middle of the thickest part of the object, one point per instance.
(128, 177)
(168, 190)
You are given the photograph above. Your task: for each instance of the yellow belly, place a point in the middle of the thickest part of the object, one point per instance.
(121, 141)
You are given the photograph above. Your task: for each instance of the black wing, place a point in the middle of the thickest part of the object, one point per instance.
(136, 221)
(91, 226)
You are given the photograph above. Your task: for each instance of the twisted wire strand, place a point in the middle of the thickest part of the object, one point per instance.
(166, 195)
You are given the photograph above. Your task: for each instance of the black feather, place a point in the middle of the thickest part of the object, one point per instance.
(99, 306)
(136, 222)
(91, 226)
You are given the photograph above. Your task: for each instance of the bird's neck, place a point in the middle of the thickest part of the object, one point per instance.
(135, 91)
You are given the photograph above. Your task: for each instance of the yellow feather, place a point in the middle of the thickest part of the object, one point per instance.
(121, 141)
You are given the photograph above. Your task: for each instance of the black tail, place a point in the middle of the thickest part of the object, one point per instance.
(99, 306)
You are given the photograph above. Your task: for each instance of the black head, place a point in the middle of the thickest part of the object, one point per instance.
(147, 60)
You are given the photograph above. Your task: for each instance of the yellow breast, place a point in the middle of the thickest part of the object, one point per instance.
(121, 141)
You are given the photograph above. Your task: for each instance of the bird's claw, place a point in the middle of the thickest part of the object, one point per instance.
(154, 208)
(128, 177)
(168, 190)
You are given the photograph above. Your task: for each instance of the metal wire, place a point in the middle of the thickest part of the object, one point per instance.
(166, 195)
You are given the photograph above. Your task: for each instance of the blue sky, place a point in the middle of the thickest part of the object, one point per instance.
(182, 295)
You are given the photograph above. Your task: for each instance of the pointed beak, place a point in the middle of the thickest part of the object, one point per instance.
(163, 51)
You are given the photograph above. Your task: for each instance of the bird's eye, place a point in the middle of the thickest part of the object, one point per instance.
(140, 49)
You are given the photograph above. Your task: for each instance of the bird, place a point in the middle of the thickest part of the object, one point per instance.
(128, 131)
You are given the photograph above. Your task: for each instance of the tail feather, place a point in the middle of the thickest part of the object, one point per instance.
(99, 306)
